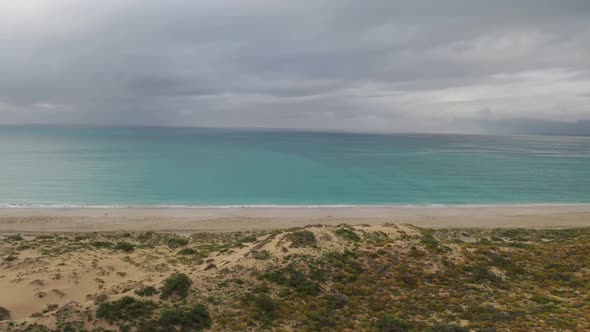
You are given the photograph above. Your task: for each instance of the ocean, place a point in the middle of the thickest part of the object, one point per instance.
(78, 166)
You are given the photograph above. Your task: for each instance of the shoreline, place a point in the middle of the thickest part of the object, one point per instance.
(227, 219)
(286, 206)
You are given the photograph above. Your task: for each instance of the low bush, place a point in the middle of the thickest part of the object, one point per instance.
(294, 279)
(194, 318)
(16, 237)
(126, 309)
(248, 238)
(261, 254)
(481, 273)
(177, 242)
(176, 285)
(302, 239)
(389, 323)
(146, 291)
(186, 251)
(447, 328)
(38, 328)
(347, 234)
(262, 307)
(124, 246)
(428, 239)
(102, 244)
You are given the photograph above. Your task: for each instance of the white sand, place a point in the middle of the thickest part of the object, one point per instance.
(263, 218)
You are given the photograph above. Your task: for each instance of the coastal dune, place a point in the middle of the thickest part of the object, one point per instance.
(226, 219)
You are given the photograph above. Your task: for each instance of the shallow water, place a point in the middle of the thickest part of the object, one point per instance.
(180, 166)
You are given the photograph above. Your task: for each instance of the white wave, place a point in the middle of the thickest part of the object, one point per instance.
(284, 206)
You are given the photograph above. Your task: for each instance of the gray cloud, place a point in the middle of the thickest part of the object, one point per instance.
(377, 65)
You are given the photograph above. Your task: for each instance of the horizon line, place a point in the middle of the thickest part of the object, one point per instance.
(292, 129)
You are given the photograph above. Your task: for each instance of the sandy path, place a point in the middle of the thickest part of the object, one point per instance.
(264, 218)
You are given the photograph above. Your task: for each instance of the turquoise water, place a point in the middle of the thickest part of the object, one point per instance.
(173, 166)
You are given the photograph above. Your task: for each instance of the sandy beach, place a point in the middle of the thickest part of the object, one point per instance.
(75, 267)
(267, 218)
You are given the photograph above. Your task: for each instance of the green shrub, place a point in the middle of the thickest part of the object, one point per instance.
(16, 237)
(347, 234)
(265, 303)
(261, 254)
(447, 328)
(102, 244)
(302, 239)
(124, 246)
(481, 273)
(37, 328)
(293, 278)
(186, 251)
(125, 309)
(177, 242)
(146, 291)
(177, 284)
(51, 307)
(72, 326)
(195, 318)
(428, 239)
(248, 238)
(262, 307)
(147, 236)
(335, 300)
(389, 323)
(484, 241)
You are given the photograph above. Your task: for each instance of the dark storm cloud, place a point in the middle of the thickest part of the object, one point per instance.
(353, 65)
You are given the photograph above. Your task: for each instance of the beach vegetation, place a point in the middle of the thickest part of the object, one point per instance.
(185, 318)
(389, 323)
(531, 280)
(177, 285)
(124, 246)
(10, 258)
(447, 328)
(126, 309)
(261, 307)
(15, 237)
(261, 254)
(146, 291)
(302, 239)
(292, 277)
(248, 238)
(348, 234)
(174, 243)
(186, 251)
(100, 298)
(428, 239)
(102, 244)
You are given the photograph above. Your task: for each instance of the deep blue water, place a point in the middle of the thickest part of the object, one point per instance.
(182, 166)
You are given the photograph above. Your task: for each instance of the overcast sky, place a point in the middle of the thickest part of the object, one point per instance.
(374, 65)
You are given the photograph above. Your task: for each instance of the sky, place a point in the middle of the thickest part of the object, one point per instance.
(448, 66)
